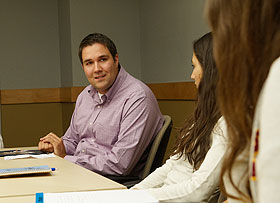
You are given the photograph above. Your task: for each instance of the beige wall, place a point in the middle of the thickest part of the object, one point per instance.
(24, 124)
(168, 29)
(119, 19)
(29, 44)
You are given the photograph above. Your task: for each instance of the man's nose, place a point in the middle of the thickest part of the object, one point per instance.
(97, 67)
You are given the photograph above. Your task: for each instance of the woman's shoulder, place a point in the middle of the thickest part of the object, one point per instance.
(276, 64)
(221, 125)
(220, 129)
(274, 72)
(272, 79)
(270, 90)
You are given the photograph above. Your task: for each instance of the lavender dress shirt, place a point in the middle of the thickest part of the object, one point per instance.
(109, 136)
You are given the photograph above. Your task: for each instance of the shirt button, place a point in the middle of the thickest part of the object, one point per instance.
(92, 140)
(90, 123)
(83, 151)
(98, 107)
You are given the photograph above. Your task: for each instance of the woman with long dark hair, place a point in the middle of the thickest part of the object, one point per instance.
(192, 172)
(246, 37)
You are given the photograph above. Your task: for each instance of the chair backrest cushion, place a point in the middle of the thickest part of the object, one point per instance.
(158, 148)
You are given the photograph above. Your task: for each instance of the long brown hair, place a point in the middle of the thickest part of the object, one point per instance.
(195, 135)
(246, 36)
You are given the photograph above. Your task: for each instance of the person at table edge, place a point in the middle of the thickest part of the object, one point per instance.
(115, 119)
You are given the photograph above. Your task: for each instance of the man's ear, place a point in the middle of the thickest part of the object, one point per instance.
(117, 59)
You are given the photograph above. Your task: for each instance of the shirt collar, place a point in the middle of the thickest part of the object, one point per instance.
(100, 96)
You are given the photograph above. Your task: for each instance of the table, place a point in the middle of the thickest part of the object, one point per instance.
(67, 177)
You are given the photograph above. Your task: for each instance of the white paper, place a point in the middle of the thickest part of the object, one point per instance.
(104, 196)
(23, 156)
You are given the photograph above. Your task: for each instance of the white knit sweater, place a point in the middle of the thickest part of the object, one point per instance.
(175, 181)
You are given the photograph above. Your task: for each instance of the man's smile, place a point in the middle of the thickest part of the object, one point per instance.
(99, 77)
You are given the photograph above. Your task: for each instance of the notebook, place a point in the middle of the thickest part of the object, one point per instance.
(25, 170)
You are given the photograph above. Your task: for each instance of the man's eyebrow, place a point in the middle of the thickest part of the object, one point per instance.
(102, 56)
(87, 60)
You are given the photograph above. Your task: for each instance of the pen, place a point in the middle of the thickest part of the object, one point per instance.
(53, 169)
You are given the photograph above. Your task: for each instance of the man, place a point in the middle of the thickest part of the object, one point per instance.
(115, 119)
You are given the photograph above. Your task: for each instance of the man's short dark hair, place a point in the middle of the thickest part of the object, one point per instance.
(97, 38)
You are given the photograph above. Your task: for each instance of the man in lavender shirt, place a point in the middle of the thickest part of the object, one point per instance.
(115, 119)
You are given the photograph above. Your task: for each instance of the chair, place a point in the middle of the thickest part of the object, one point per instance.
(157, 149)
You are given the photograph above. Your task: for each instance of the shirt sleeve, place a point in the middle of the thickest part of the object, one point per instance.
(71, 137)
(203, 181)
(268, 160)
(156, 178)
(139, 124)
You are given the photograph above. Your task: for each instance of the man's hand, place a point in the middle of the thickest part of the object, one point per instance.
(52, 143)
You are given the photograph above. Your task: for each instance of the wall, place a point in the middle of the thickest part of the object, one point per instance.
(23, 125)
(65, 46)
(40, 38)
(29, 44)
(168, 29)
(117, 19)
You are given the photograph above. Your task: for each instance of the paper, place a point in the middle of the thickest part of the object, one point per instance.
(23, 156)
(104, 196)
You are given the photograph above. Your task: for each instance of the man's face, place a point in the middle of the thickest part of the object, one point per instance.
(99, 66)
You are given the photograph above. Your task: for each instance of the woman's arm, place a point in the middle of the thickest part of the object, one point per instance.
(156, 178)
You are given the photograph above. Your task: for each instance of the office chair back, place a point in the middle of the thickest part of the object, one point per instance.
(155, 155)
(158, 148)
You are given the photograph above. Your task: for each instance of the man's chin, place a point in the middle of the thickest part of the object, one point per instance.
(101, 90)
